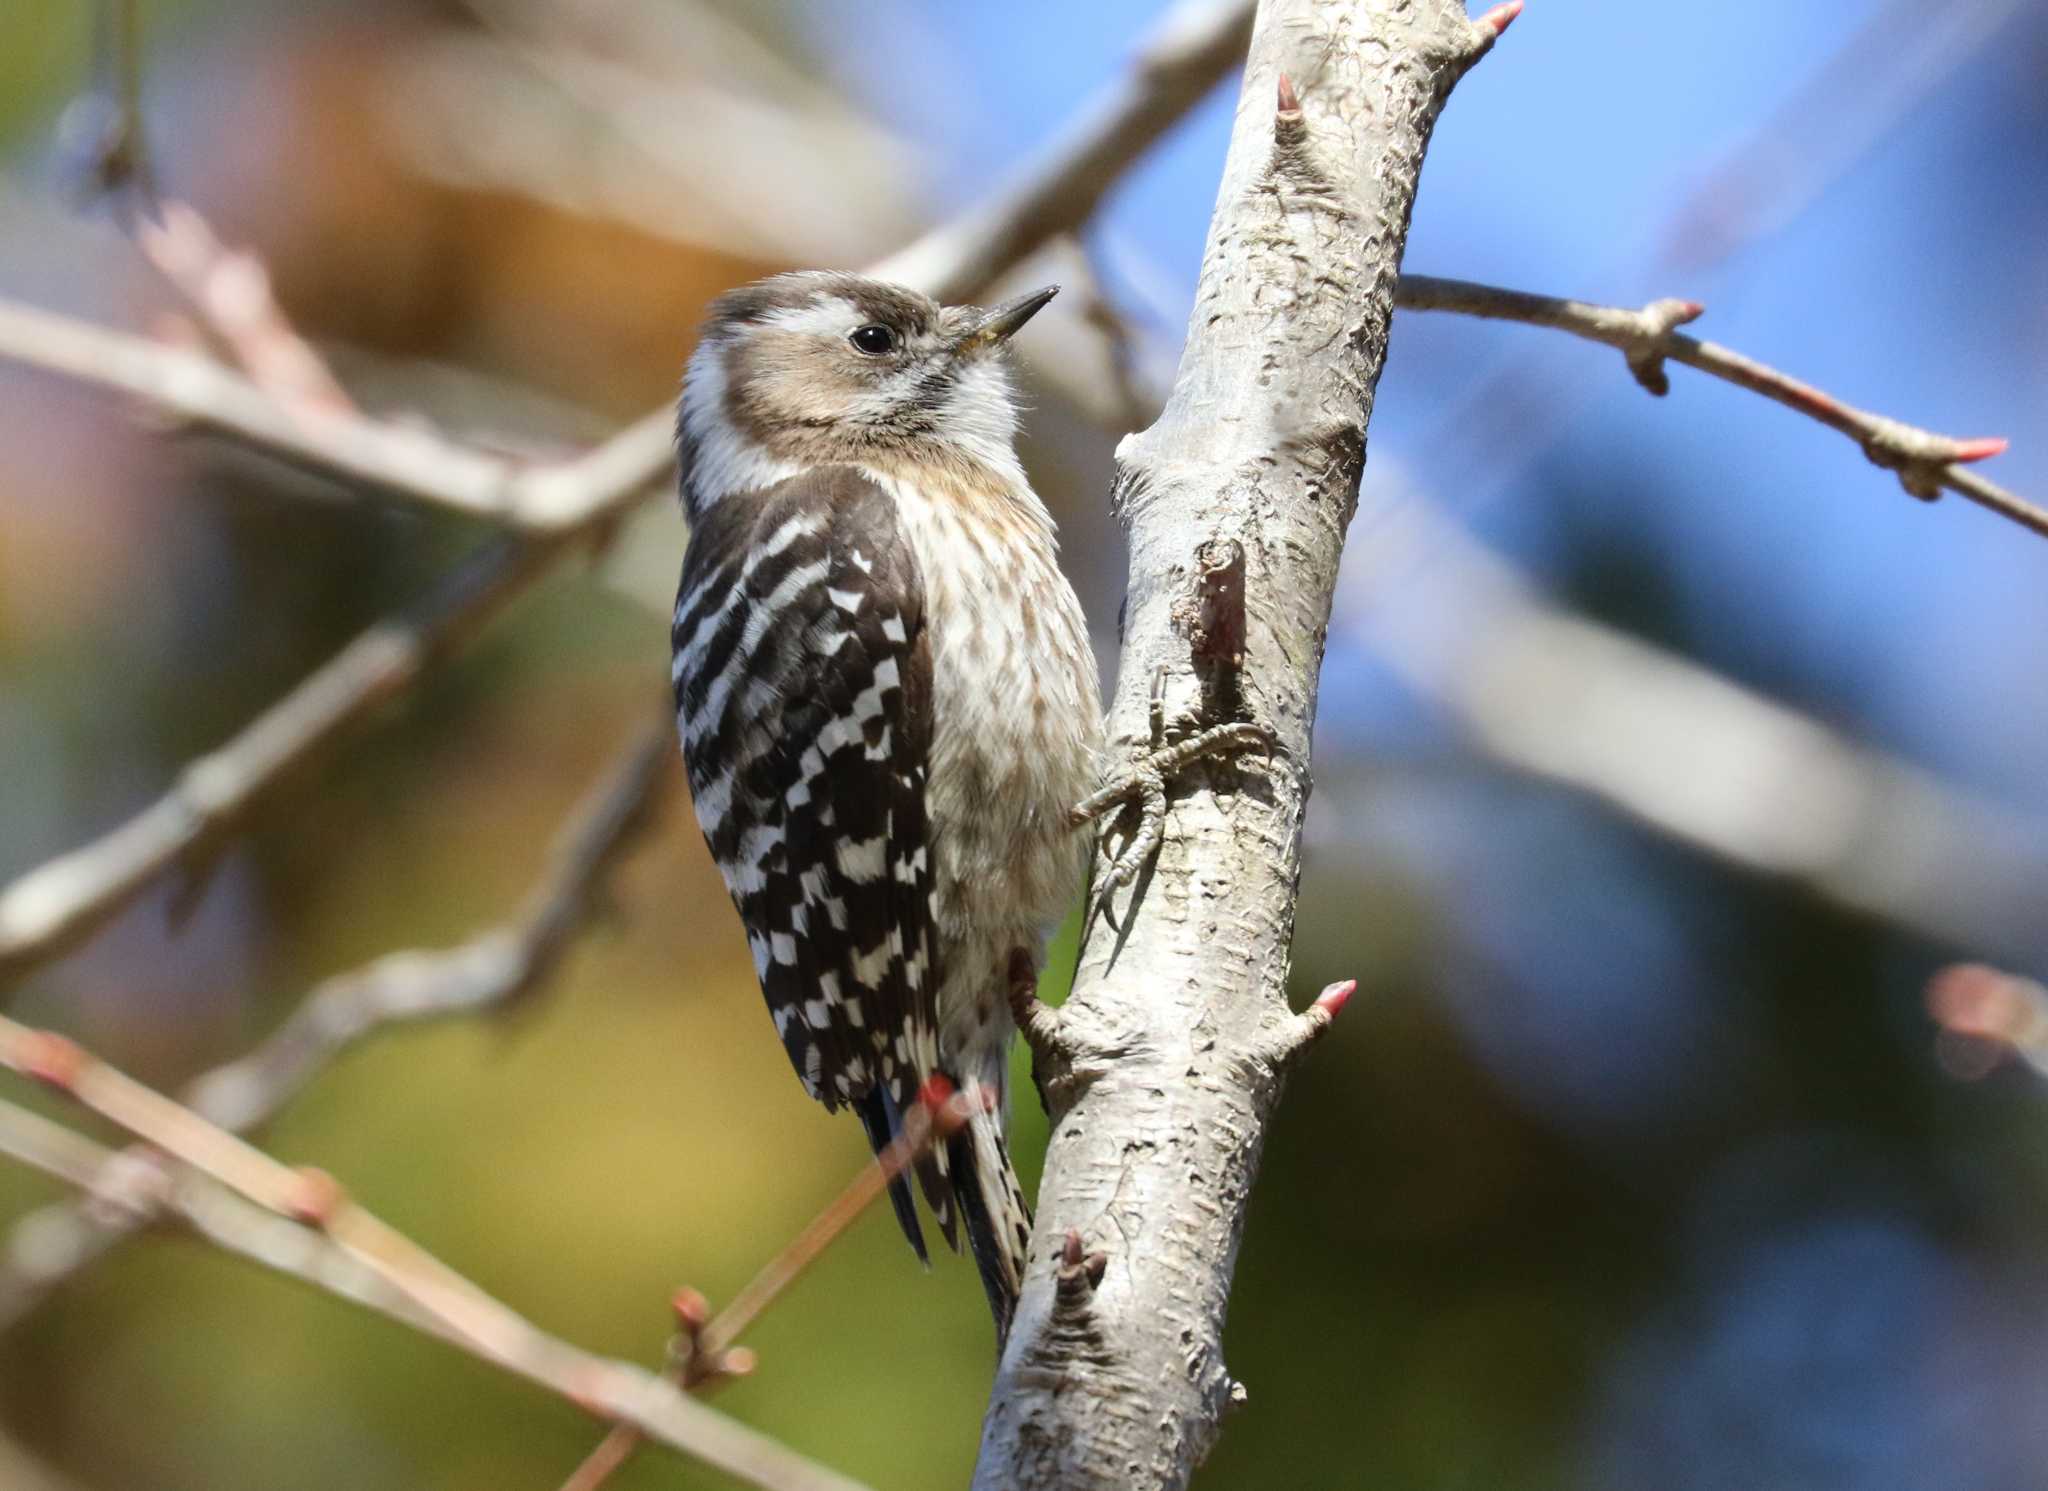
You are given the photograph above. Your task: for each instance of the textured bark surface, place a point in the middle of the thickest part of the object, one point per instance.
(1164, 1066)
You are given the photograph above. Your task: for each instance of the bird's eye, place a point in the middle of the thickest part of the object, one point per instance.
(875, 340)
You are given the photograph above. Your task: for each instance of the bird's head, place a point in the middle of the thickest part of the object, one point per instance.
(815, 368)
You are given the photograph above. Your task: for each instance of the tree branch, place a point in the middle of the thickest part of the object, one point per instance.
(44, 1144)
(1673, 744)
(50, 908)
(19, 1471)
(1751, 780)
(230, 289)
(487, 972)
(707, 1351)
(1926, 463)
(1177, 1028)
(429, 1293)
(54, 906)
(398, 460)
(1192, 47)
(1185, 55)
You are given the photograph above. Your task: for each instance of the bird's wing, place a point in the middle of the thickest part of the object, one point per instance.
(802, 674)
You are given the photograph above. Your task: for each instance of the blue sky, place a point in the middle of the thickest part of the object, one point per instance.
(1908, 283)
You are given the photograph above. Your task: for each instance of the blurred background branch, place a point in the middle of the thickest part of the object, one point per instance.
(24, 1472)
(1982, 1010)
(118, 160)
(439, 1298)
(48, 909)
(486, 974)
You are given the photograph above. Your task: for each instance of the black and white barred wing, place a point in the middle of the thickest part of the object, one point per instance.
(803, 694)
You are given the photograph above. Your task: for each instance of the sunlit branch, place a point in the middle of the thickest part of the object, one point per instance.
(489, 971)
(50, 908)
(454, 1308)
(1926, 463)
(707, 1354)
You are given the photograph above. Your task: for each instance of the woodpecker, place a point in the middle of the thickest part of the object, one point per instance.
(887, 702)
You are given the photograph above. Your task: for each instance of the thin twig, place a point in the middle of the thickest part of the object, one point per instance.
(231, 290)
(459, 1310)
(489, 971)
(1191, 49)
(604, 1461)
(935, 1118)
(49, 908)
(52, 907)
(1926, 463)
(708, 1351)
(46, 1145)
(119, 160)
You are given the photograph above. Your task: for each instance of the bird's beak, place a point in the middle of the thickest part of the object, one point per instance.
(998, 324)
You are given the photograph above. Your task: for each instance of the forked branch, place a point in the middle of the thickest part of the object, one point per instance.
(487, 972)
(549, 507)
(429, 1293)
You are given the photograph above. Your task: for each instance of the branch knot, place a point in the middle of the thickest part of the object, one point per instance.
(1290, 130)
(1649, 344)
(1077, 1278)
(1920, 457)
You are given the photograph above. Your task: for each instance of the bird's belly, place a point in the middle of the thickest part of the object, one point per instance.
(1016, 725)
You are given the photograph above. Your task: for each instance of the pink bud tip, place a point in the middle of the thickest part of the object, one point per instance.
(52, 1059)
(1979, 450)
(1972, 999)
(1500, 17)
(317, 1198)
(693, 1311)
(1333, 999)
(1289, 103)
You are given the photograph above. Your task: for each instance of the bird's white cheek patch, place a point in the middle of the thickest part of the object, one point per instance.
(725, 461)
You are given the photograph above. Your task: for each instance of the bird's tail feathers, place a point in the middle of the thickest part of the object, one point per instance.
(878, 1115)
(969, 1176)
(992, 1202)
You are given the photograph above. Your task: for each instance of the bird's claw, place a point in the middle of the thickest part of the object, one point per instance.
(1143, 782)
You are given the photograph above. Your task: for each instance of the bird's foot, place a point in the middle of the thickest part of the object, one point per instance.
(1142, 785)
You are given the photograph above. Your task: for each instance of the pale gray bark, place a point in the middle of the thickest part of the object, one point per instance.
(1164, 1066)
